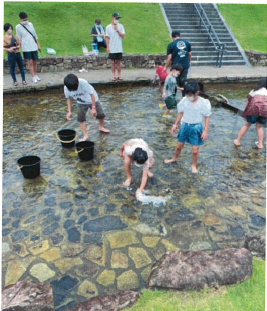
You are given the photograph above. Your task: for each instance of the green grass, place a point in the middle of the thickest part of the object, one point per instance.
(248, 23)
(247, 296)
(66, 26)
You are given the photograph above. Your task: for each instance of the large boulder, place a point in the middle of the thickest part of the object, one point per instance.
(116, 302)
(256, 245)
(194, 270)
(28, 296)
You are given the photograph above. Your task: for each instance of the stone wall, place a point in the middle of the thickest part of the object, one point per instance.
(68, 63)
(257, 58)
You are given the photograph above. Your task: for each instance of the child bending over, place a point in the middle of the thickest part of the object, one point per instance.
(161, 72)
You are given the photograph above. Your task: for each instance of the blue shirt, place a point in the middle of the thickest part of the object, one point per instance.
(179, 49)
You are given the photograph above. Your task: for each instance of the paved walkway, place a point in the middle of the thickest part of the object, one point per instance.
(50, 79)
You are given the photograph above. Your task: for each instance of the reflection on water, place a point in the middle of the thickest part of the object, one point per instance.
(76, 227)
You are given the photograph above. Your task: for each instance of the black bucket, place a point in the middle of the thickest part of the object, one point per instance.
(67, 138)
(29, 166)
(85, 150)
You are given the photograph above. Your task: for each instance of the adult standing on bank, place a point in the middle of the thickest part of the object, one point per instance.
(30, 44)
(179, 52)
(114, 34)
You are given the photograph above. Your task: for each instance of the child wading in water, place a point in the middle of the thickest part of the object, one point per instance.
(191, 110)
(170, 89)
(161, 72)
(136, 150)
(87, 98)
(255, 112)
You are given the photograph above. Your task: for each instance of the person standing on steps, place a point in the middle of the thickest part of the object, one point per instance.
(179, 52)
(114, 34)
(30, 44)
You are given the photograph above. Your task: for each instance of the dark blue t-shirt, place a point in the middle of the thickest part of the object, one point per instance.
(180, 52)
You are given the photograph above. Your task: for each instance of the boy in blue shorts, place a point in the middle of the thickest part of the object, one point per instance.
(191, 111)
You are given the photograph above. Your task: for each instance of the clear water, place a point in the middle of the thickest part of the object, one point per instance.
(210, 210)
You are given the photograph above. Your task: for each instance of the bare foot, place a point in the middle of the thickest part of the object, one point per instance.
(236, 143)
(194, 169)
(150, 174)
(127, 182)
(260, 146)
(84, 138)
(169, 161)
(103, 129)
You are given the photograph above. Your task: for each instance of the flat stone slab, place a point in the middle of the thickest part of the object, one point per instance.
(115, 302)
(28, 296)
(194, 270)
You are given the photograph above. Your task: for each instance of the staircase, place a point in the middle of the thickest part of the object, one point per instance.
(184, 18)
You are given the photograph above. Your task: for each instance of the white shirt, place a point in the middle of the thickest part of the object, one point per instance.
(83, 93)
(134, 143)
(194, 112)
(115, 44)
(27, 42)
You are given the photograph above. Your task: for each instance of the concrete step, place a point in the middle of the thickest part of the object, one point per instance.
(213, 63)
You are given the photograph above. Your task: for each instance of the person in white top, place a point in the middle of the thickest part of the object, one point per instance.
(114, 34)
(191, 111)
(136, 151)
(30, 44)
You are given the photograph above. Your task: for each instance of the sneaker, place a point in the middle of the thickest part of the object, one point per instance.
(34, 80)
(161, 106)
(37, 78)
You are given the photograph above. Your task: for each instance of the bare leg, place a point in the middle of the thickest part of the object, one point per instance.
(101, 126)
(195, 153)
(84, 131)
(113, 68)
(31, 67)
(119, 68)
(260, 130)
(177, 153)
(34, 65)
(241, 134)
(167, 112)
(128, 170)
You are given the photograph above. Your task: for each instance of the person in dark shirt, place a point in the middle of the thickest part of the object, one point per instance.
(98, 33)
(179, 52)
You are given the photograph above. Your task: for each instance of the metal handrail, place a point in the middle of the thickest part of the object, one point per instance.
(219, 47)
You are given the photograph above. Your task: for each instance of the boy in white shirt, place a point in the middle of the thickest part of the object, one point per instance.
(86, 97)
(191, 110)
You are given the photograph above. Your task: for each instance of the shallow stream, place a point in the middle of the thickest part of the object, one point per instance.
(76, 227)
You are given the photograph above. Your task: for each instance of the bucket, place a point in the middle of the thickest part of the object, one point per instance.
(29, 166)
(94, 46)
(85, 150)
(67, 138)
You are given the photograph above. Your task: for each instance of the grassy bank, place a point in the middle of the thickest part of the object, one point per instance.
(248, 23)
(66, 26)
(247, 296)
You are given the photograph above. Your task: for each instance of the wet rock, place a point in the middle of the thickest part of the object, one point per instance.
(59, 299)
(69, 213)
(211, 220)
(23, 297)
(39, 248)
(110, 208)
(66, 264)
(19, 235)
(106, 278)
(80, 211)
(238, 231)
(119, 260)
(16, 204)
(5, 248)
(19, 213)
(93, 238)
(200, 246)
(149, 241)
(74, 235)
(168, 245)
(65, 284)
(188, 270)
(122, 239)
(67, 306)
(139, 257)
(51, 229)
(93, 212)
(256, 245)
(88, 270)
(116, 302)
(258, 220)
(68, 224)
(49, 219)
(146, 229)
(50, 201)
(6, 232)
(42, 272)
(51, 255)
(126, 209)
(30, 220)
(87, 289)
(238, 210)
(183, 215)
(106, 223)
(96, 254)
(65, 205)
(47, 211)
(81, 220)
(128, 280)
(56, 239)
(72, 250)
(5, 221)
(15, 271)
